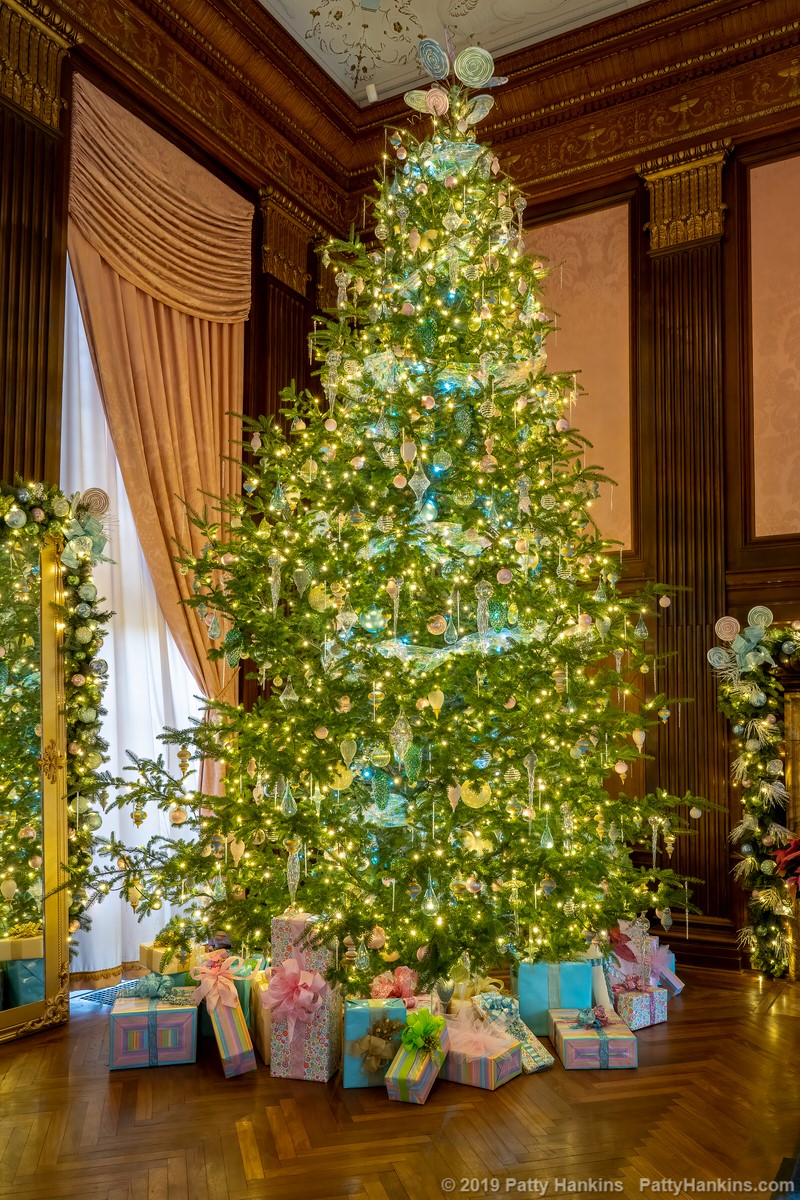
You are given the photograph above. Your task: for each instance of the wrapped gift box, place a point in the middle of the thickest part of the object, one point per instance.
(544, 985)
(152, 957)
(412, 1073)
(24, 980)
(587, 1049)
(640, 1009)
(260, 1016)
(371, 1039)
(481, 1053)
(302, 1049)
(233, 1040)
(152, 1033)
(243, 971)
(218, 990)
(22, 947)
(505, 1011)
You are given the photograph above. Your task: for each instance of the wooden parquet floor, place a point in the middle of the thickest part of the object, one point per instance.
(717, 1095)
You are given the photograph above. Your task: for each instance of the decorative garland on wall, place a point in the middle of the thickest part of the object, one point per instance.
(29, 514)
(751, 696)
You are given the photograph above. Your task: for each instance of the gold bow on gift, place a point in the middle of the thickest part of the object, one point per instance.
(375, 1048)
(467, 985)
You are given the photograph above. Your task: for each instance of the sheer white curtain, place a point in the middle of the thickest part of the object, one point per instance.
(149, 685)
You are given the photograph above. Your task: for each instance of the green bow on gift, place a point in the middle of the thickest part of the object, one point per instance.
(84, 539)
(749, 655)
(422, 1030)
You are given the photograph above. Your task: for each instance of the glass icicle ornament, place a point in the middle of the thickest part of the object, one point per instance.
(288, 803)
(483, 590)
(430, 901)
(292, 846)
(274, 563)
(362, 957)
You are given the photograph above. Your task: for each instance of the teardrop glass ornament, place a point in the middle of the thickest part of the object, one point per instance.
(546, 840)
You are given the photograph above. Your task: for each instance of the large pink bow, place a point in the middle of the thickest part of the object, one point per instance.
(630, 983)
(399, 986)
(294, 994)
(215, 977)
(659, 963)
(474, 1036)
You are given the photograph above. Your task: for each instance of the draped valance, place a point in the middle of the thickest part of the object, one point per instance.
(162, 221)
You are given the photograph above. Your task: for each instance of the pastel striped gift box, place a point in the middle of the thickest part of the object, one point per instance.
(412, 1073)
(505, 1011)
(483, 1071)
(611, 1049)
(151, 1033)
(233, 1040)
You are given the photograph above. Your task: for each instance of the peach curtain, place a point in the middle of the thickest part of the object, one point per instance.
(160, 251)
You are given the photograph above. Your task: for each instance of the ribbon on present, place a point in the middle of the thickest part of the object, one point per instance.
(376, 1048)
(468, 985)
(631, 983)
(397, 986)
(295, 996)
(596, 1019)
(423, 1031)
(475, 1036)
(215, 977)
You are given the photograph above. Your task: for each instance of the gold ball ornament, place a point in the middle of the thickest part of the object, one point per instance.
(475, 795)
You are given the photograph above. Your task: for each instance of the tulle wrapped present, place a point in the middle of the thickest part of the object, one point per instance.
(481, 1053)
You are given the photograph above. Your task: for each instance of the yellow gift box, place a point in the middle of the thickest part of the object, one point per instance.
(152, 957)
(260, 1015)
(15, 948)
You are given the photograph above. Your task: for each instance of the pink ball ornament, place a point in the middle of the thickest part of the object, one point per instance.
(408, 309)
(511, 702)
(37, 515)
(428, 402)
(330, 425)
(78, 680)
(423, 950)
(423, 702)
(504, 575)
(664, 601)
(562, 425)
(358, 462)
(399, 481)
(451, 181)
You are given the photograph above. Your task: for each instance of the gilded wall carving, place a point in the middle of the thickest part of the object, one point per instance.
(33, 41)
(685, 190)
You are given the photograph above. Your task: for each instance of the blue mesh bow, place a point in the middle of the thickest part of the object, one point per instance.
(153, 987)
(749, 654)
(84, 538)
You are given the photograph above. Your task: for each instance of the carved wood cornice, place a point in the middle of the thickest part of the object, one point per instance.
(34, 37)
(288, 231)
(583, 108)
(685, 190)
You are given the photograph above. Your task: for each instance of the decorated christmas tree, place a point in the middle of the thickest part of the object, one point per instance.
(453, 686)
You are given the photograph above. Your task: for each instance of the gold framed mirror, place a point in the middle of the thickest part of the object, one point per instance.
(34, 944)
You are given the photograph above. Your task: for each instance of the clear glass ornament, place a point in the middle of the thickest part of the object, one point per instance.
(275, 564)
(288, 803)
(430, 901)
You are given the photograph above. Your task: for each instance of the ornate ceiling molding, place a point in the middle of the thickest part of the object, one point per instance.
(584, 108)
(685, 191)
(34, 39)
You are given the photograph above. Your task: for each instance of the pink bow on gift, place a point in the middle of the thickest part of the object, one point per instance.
(476, 1037)
(399, 986)
(215, 977)
(294, 994)
(631, 983)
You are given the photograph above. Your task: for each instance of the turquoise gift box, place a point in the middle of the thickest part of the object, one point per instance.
(541, 986)
(368, 1050)
(25, 981)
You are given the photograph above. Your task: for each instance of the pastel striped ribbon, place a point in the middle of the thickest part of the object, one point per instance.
(152, 1032)
(553, 985)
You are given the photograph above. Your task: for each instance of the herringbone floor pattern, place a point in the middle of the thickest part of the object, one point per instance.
(717, 1094)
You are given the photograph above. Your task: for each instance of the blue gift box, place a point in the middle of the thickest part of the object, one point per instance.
(369, 1046)
(25, 981)
(543, 985)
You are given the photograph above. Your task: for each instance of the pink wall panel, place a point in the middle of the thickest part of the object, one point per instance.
(775, 298)
(588, 290)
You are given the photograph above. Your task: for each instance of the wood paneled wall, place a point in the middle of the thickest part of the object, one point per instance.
(32, 242)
